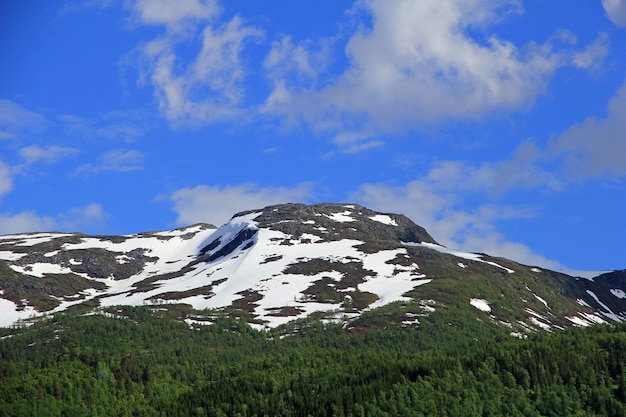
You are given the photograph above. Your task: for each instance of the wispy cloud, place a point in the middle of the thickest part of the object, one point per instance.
(363, 146)
(116, 160)
(304, 62)
(215, 204)
(26, 221)
(206, 88)
(524, 170)
(90, 217)
(417, 65)
(6, 179)
(126, 126)
(616, 11)
(441, 199)
(15, 119)
(592, 57)
(597, 146)
(286, 57)
(172, 13)
(50, 154)
(451, 220)
(409, 64)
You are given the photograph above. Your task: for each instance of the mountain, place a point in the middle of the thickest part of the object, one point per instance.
(291, 261)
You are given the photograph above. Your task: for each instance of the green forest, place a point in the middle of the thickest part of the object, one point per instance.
(138, 361)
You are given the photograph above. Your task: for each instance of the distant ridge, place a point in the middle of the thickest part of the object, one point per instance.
(289, 261)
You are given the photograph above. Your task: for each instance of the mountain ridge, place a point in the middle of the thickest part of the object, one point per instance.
(291, 261)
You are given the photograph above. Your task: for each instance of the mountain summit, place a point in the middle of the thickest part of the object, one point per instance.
(291, 261)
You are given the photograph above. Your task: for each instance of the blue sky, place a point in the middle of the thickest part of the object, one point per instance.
(500, 126)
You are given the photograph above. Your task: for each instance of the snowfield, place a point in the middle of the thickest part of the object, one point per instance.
(280, 263)
(256, 266)
(460, 254)
(482, 305)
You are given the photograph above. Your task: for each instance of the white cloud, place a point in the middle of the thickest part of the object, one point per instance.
(117, 160)
(24, 222)
(286, 57)
(215, 204)
(440, 213)
(6, 179)
(302, 63)
(172, 13)
(363, 146)
(616, 11)
(593, 56)
(597, 146)
(78, 7)
(441, 199)
(116, 125)
(15, 119)
(418, 64)
(51, 154)
(75, 219)
(89, 217)
(206, 88)
(496, 178)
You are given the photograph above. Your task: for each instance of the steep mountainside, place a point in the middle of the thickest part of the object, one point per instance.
(292, 261)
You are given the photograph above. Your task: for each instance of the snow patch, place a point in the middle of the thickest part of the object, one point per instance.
(247, 216)
(618, 293)
(343, 217)
(384, 219)
(482, 305)
(180, 232)
(11, 256)
(542, 300)
(31, 239)
(309, 237)
(122, 259)
(595, 318)
(540, 324)
(585, 319)
(460, 254)
(578, 321)
(40, 269)
(534, 313)
(590, 275)
(9, 313)
(608, 313)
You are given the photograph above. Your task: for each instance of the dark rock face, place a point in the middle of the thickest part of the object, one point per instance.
(95, 262)
(43, 293)
(245, 235)
(345, 258)
(87, 265)
(101, 263)
(332, 222)
(607, 291)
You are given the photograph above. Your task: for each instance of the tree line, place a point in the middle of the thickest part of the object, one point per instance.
(151, 363)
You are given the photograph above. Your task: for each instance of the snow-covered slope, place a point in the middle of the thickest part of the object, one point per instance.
(285, 262)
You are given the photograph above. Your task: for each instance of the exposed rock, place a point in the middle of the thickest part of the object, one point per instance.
(292, 261)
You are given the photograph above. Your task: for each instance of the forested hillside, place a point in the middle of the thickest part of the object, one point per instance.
(147, 362)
